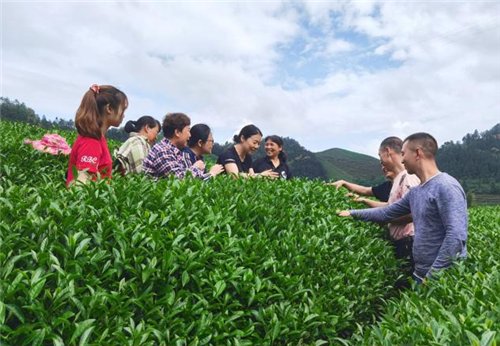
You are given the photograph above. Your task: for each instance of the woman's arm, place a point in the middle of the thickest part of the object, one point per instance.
(83, 177)
(232, 169)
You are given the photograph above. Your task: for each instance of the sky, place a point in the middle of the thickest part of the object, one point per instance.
(330, 74)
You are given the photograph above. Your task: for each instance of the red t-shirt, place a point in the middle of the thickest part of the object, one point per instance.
(90, 154)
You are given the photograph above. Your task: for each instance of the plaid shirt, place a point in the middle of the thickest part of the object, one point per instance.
(165, 159)
(132, 153)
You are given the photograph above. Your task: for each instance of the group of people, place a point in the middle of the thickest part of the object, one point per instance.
(180, 151)
(425, 209)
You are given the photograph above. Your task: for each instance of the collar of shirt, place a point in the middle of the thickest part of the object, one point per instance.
(268, 160)
(435, 175)
(193, 154)
(399, 178)
(141, 137)
(168, 146)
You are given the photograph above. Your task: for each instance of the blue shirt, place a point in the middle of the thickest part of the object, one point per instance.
(190, 157)
(439, 210)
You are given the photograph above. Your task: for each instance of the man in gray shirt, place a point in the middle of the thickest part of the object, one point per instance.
(438, 206)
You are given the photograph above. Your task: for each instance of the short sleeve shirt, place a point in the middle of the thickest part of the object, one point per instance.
(382, 191)
(401, 186)
(92, 155)
(231, 156)
(265, 164)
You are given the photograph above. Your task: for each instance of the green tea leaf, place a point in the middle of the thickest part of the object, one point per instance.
(220, 286)
(80, 328)
(37, 288)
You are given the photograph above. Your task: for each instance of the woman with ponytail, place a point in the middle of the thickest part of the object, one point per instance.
(237, 159)
(143, 134)
(101, 107)
(276, 159)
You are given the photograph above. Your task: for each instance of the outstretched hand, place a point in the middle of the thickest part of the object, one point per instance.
(338, 184)
(356, 197)
(216, 170)
(343, 213)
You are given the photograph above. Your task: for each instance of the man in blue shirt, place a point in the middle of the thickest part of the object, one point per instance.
(438, 206)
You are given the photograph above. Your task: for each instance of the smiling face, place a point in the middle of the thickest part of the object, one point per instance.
(151, 133)
(183, 137)
(388, 174)
(206, 148)
(409, 157)
(272, 149)
(251, 144)
(385, 158)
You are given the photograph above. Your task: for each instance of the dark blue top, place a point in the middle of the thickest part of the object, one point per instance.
(190, 157)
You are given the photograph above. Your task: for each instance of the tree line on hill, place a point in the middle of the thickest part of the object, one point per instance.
(475, 161)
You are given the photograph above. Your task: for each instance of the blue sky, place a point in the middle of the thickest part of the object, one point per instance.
(331, 74)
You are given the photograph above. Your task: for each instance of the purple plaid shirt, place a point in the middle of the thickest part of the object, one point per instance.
(165, 159)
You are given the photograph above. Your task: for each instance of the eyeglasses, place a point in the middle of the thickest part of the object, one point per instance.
(210, 140)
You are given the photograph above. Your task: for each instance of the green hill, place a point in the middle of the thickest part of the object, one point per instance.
(351, 166)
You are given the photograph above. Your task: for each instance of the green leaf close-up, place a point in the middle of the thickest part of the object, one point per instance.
(224, 262)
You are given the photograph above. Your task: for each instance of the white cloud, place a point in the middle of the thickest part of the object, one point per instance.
(221, 63)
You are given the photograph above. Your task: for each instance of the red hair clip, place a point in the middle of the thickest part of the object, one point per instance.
(95, 88)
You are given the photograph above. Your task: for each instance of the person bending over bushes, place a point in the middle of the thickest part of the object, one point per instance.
(438, 207)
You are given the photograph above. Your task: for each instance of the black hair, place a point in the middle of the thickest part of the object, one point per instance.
(394, 143)
(136, 126)
(279, 141)
(199, 132)
(174, 121)
(247, 132)
(427, 143)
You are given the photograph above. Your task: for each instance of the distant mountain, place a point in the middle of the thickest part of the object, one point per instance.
(350, 166)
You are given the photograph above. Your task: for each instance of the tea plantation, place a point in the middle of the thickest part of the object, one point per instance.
(227, 262)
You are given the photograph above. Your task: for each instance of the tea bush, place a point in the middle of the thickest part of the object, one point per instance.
(228, 262)
(179, 262)
(462, 307)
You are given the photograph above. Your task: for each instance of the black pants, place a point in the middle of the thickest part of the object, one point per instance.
(403, 250)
